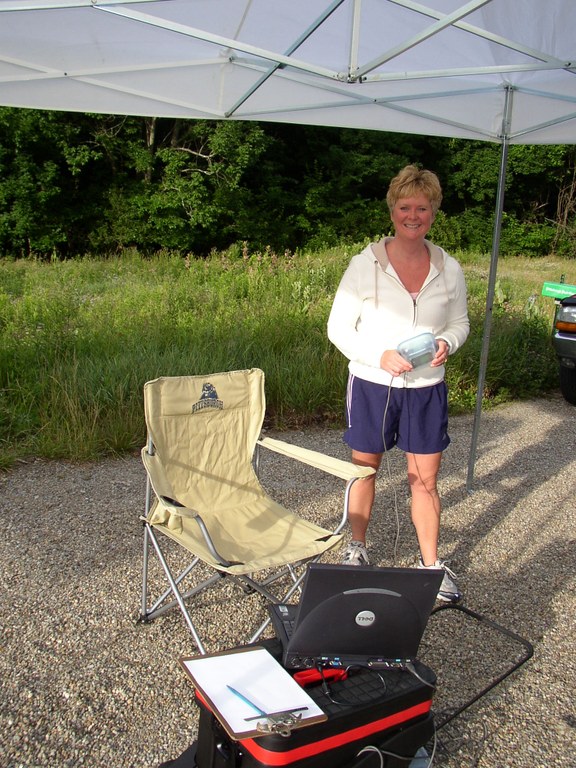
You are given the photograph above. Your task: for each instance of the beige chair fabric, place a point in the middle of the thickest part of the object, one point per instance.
(203, 491)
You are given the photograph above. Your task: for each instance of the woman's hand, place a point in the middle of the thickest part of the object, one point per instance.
(441, 355)
(393, 363)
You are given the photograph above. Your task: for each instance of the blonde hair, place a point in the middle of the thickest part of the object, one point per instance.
(413, 181)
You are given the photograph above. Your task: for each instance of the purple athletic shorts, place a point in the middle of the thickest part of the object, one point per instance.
(414, 419)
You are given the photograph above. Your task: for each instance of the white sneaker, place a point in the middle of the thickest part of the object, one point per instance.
(355, 554)
(449, 591)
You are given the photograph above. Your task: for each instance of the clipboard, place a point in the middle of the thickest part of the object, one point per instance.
(249, 691)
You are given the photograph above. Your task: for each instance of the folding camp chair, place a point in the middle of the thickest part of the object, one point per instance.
(203, 492)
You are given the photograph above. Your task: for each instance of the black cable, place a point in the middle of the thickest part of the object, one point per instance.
(328, 693)
(454, 740)
(409, 667)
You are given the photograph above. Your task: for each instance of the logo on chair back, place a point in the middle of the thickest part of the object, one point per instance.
(208, 399)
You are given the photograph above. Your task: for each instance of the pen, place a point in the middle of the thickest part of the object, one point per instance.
(246, 700)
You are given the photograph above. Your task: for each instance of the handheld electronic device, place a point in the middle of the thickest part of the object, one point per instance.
(419, 350)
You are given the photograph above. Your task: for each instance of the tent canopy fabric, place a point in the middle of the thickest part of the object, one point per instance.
(476, 70)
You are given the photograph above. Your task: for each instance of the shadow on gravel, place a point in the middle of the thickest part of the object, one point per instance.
(81, 684)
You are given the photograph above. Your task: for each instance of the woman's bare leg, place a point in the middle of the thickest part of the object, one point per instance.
(425, 504)
(362, 495)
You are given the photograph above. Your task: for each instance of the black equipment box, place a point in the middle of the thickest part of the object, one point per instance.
(388, 709)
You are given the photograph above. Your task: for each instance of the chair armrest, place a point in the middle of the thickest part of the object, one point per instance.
(178, 509)
(345, 470)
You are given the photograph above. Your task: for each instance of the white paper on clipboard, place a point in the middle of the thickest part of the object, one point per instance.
(256, 675)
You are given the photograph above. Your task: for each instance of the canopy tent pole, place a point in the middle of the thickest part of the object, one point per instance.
(491, 284)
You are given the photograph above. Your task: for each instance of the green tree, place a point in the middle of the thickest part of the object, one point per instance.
(177, 183)
(44, 157)
(534, 176)
(73, 183)
(317, 186)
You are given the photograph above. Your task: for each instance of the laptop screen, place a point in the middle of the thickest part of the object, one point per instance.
(360, 615)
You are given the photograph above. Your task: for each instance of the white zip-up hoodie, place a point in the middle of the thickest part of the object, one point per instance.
(373, 312)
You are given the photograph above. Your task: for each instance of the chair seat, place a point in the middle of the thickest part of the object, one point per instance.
(254, 536)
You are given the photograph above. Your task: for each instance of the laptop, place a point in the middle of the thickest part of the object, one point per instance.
(350, 615)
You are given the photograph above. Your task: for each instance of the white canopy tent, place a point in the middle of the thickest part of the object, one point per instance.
(495, 70)
(441, 68)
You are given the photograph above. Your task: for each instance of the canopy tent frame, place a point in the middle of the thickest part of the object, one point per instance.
(499, 211)
(270, 62)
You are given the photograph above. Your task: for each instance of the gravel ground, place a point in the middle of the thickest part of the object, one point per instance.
(83, 685)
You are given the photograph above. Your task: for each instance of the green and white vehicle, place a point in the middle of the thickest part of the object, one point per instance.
(564, 335)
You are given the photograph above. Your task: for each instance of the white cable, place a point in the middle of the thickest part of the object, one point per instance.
(389, 470)
(371, 748)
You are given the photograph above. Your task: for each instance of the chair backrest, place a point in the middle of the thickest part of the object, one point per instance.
(204, 430)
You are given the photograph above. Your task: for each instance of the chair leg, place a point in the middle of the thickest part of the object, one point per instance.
(179, 600)
(294, 588)
(145, 556)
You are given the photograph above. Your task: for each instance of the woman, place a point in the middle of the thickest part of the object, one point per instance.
(392, 291)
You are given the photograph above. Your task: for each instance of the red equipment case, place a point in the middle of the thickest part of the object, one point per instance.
(388, 709)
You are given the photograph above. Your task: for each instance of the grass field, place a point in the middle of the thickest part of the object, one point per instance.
(79, 338)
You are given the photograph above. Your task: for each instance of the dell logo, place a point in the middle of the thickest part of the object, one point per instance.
(365, 618)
